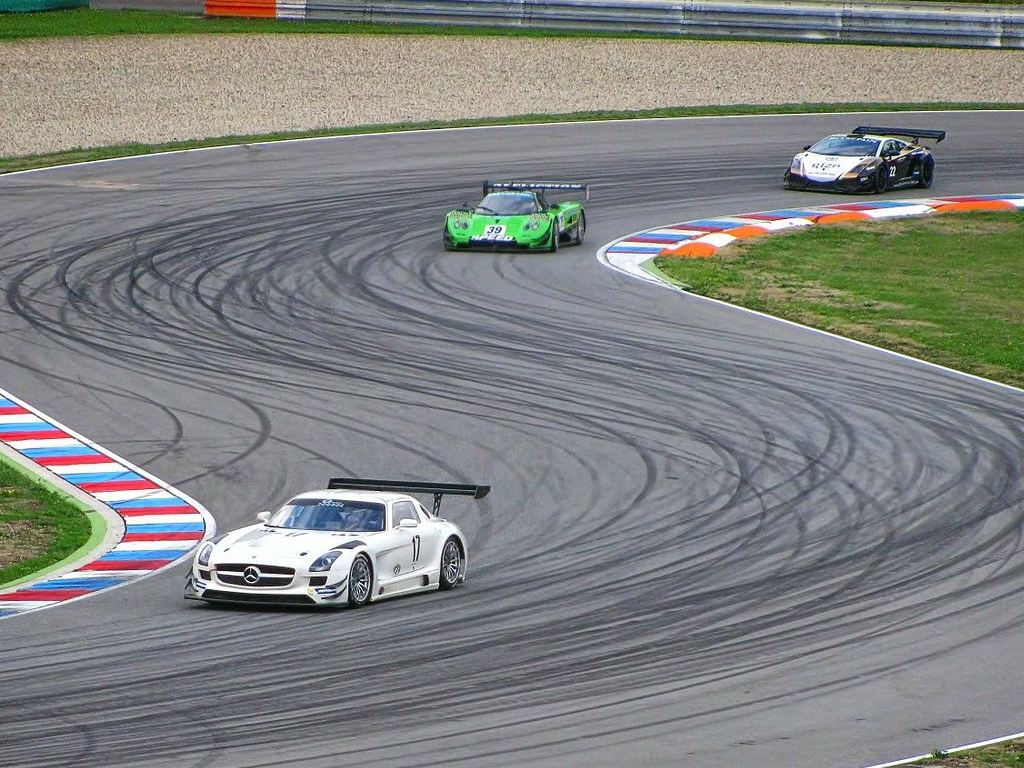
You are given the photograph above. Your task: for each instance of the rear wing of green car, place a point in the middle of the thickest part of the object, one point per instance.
(914, 133)
(531, 186)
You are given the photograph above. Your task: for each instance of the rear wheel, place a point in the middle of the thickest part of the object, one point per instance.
(927, 173)
(581, 229)
(453, 564)
(360, 582)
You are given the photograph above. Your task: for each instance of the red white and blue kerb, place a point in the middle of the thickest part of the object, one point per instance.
(702, 238)
(161, 523)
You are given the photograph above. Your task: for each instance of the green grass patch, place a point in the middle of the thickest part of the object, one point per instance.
(38, 526)
(944, 288)
(1008, 753)
(81, 155)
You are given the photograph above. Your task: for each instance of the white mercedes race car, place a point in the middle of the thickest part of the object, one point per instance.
(867, 159)
(356, 541)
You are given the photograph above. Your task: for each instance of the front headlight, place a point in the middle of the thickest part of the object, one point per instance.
(204, 554)
(325, 561)
(797, 163)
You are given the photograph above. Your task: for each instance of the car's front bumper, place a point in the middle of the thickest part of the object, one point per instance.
(463, 241)
(494, 245)
(842, 184)
(310, 590)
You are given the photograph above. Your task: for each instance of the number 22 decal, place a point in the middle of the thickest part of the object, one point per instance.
(415, 548)
(892, 171)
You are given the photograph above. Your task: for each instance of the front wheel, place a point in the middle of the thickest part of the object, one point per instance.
(881, 179)
(927, 173)
(453, 565)
(553, 246)
(360, 582)
(581, 229)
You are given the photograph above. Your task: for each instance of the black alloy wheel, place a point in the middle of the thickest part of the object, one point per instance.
(881, 178)
(927, 173)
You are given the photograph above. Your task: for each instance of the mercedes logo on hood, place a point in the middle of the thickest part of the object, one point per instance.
(251, 574)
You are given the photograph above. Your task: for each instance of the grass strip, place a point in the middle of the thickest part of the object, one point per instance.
(82, 155)
(39, 526)
(943, 288)
(1007, 753)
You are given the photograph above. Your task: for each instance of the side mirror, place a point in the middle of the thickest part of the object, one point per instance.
(555, 206)
(408, 522)
(807, 147)
(264, 517)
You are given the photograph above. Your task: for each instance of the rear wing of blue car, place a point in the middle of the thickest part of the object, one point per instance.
(914, 133)
(537, 186)
(438, 490)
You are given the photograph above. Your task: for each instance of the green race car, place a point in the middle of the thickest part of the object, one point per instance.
(516, 216)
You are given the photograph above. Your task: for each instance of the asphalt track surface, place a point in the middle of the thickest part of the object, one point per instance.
(713, 539)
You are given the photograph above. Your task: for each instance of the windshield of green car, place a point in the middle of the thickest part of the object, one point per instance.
(509, 204)
(318, 514)
(846, 146)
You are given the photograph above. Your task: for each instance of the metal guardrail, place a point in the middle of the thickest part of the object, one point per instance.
(927, 24)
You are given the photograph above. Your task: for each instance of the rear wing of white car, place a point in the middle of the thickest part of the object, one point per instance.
(538, 186)
(438, 490)
(914, 133)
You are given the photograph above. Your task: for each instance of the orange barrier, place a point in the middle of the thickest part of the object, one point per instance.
(835, 218)
(747, 230)
(692, 251)
(976, 205)
(253, 9)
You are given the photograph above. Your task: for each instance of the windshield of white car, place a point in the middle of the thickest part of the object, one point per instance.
(845, 146)
(313, 514)
(509, 204)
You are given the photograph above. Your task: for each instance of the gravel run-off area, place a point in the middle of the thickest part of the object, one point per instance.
(67, 93)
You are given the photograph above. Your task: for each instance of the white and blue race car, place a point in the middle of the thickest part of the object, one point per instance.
(349, 544)
(867, 159)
